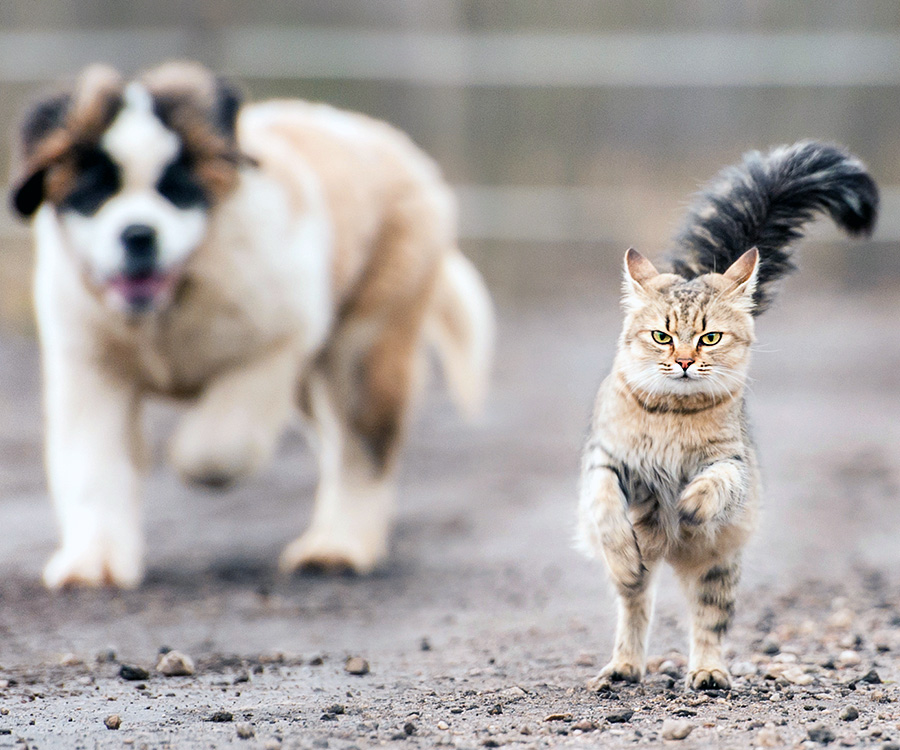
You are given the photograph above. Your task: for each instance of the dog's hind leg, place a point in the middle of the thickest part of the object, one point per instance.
(234, 427)
(357, 398)
(360, 389)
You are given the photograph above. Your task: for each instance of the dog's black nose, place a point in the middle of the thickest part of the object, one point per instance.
(139, 241)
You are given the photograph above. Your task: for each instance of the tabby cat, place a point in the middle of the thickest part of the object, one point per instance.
(669, 471)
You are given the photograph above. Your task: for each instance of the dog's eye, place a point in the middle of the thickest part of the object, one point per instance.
(178, 186)
(97, 180)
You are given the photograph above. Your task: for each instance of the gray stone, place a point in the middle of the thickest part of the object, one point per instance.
(820, 733)
(356, 665)
(244, 730)
(676, 729)
(175, 664)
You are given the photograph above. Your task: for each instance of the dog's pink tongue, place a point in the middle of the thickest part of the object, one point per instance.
(141, 291)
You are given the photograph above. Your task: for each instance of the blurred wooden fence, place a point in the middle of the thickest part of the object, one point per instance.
(570, 122)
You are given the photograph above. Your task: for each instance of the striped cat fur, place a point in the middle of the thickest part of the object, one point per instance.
(669, 471)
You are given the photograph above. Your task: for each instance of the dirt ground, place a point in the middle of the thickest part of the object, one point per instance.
(484, 627)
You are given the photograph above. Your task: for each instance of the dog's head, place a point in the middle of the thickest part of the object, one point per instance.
(132, 171)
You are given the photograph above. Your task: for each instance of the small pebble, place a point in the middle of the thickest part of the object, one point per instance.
(272, 745)
(132, 673)
(849, 713)
(798, 676)
(69, 660)
(670, 668)
(175, 664)
(820, 733)
(848, 658)
(585, 725)
(743, 669)
(843, 618)
(620, 717)
(244, 730)
(443, 726)
(106, 656)
(768, 737)
(770, 645)
(785, 658)
(871, 677)
(676, 729)
(558, 717)
(356, 665)
(221, 717)
(113, 721)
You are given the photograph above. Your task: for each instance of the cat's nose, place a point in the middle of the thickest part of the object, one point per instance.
(685, 363)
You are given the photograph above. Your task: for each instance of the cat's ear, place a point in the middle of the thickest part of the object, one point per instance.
(637, 268)
(743, 272)
(638, 271)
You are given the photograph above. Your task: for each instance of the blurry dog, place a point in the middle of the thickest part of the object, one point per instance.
(252, 259)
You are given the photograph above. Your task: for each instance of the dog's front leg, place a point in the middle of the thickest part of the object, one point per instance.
(95, 457)
(235, 425)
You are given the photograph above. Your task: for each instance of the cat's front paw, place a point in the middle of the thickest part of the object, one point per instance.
(613, 672)
(700, 502)
(709, 678)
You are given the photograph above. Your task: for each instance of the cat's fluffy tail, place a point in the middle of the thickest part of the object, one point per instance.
(764, 203)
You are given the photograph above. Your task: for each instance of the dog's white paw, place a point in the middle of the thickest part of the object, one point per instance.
(96, 565)
(332, 551)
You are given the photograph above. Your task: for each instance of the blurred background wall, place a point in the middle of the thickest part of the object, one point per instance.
(570, 129)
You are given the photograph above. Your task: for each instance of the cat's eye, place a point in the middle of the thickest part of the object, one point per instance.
(661, 337)
(708, 339)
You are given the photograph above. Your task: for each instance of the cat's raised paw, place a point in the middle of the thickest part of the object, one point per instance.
(615, 672)
(708, 679)
(699, 503)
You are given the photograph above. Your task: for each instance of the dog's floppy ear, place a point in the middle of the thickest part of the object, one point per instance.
(43, 140)
(228, 102)
(55, 124)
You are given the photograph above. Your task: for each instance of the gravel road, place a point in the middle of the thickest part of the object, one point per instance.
(484, 627)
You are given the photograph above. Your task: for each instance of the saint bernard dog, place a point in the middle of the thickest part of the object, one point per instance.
(254, 261)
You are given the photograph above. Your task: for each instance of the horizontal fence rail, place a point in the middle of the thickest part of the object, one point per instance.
(554, 214)
(513, 59)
